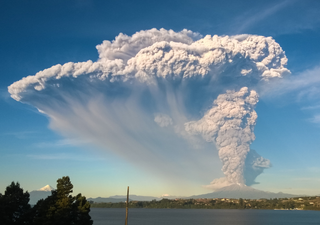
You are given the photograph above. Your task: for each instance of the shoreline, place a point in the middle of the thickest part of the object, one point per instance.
(302, 203)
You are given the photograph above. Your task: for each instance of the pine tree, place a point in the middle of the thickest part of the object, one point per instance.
(14, 206)
(81, 209)
(62, 208)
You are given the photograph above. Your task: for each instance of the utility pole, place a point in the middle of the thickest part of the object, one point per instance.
(127, 205)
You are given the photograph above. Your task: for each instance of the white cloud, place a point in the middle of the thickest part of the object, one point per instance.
(312, 107)
(63, 156)
(315, 119)
(277, 17)
(302, 88)
(257, 17)
(21, 134)
(163, 120)
(305, 84)
(62, 143)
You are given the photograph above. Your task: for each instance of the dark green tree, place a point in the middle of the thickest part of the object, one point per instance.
(81, 209)
(62, 208)
(14, 206)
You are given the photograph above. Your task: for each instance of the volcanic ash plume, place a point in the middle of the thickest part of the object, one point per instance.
(143, 99)
(230, 124)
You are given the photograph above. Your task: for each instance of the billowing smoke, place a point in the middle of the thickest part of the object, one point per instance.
(229, 124)
(149, 97)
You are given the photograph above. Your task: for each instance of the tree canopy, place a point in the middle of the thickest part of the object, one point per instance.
(59, 208)
(14, 205)
(63, 208)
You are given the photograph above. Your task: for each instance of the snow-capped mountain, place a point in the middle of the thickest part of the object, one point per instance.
(41, 193)
(46, 188)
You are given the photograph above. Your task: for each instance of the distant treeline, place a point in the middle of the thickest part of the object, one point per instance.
(305, 203)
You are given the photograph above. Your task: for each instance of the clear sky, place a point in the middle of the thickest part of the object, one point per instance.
(36, 35)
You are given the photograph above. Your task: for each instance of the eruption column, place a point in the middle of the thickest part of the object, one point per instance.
(135, 100)
(230, 124)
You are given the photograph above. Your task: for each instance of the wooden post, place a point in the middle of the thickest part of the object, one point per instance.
(126, 223)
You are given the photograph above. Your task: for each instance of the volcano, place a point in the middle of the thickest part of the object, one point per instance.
(242, 191)
(42, 193)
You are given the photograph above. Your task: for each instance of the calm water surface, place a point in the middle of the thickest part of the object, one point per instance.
(107, 216)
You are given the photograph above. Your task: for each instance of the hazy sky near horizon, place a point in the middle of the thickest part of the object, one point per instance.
(39, 34)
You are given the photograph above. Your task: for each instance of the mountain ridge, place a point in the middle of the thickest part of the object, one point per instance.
(243, 191)
(232, 191)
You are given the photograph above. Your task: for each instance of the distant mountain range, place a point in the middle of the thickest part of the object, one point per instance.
(232, 191)
(137, 197)
(242, 191)
(123, 198)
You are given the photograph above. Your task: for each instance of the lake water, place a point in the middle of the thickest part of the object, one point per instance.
(107, 216)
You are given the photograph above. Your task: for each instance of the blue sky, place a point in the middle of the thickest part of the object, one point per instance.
(36, 35)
